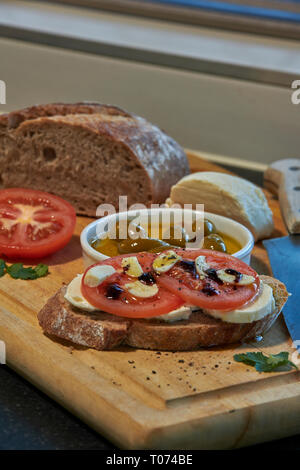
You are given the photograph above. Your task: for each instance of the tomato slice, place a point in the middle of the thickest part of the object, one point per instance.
(33, 223)
(112, 296)
(209, 294)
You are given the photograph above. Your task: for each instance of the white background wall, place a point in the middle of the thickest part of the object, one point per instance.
(236, 118)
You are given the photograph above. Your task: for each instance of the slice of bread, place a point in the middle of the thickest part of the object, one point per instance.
(227, 195)
(101, 330)
(89, 154)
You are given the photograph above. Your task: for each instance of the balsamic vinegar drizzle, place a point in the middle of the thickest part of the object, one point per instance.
(113, 291)
(147, 278)
(235, 273)
(212, 274)
(209, 290)
(189, 266)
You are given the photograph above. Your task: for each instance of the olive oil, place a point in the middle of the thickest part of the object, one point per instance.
(232, 245)
(213, 240)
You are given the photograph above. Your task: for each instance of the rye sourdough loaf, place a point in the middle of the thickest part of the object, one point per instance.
(101, 330)
(89, 154)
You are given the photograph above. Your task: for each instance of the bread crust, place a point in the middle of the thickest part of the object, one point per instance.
(105, 331)
(12, 120)
(94, 330)
(157, 159)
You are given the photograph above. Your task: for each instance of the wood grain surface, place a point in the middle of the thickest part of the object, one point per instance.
(145, 399)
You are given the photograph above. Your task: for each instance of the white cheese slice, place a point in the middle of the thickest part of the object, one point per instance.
(139, 289)
(181, 313)
(263, 305)
(132, 265)
(226, 195)
(96, 275)
(75, 297)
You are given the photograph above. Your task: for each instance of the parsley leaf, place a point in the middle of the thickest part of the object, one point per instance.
(17, 270)
(263, 363)
(41, 270)
(2, 267)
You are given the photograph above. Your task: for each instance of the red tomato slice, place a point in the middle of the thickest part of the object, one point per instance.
(111, 296)
(209, 294)
(33, 223)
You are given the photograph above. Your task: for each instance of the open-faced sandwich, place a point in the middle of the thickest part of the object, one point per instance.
(180, 299)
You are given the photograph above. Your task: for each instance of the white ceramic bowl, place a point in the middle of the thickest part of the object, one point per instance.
(227, 226)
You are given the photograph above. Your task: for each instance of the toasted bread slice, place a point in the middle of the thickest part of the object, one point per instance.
(101, 330)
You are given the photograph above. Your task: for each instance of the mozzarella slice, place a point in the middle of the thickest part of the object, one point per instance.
(165, 261)
(181, 313)
(75, 297)
(259, 308)
(96, 275)
(132, 266)
(139, 289)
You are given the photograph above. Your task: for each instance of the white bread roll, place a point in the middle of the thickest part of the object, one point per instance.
(226, 195)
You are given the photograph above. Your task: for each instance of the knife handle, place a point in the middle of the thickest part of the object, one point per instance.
(282, 178)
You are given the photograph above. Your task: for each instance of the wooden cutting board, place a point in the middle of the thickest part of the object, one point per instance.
(145, 399)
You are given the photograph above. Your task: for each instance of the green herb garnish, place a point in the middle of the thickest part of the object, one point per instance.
(2, 267)
(263, 363)
(17, 270)
(41, 270)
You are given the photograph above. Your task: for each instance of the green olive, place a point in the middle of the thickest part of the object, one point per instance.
(181, 242)
(214, 242)
(209, 227)
(141, 244)
(160, 248)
